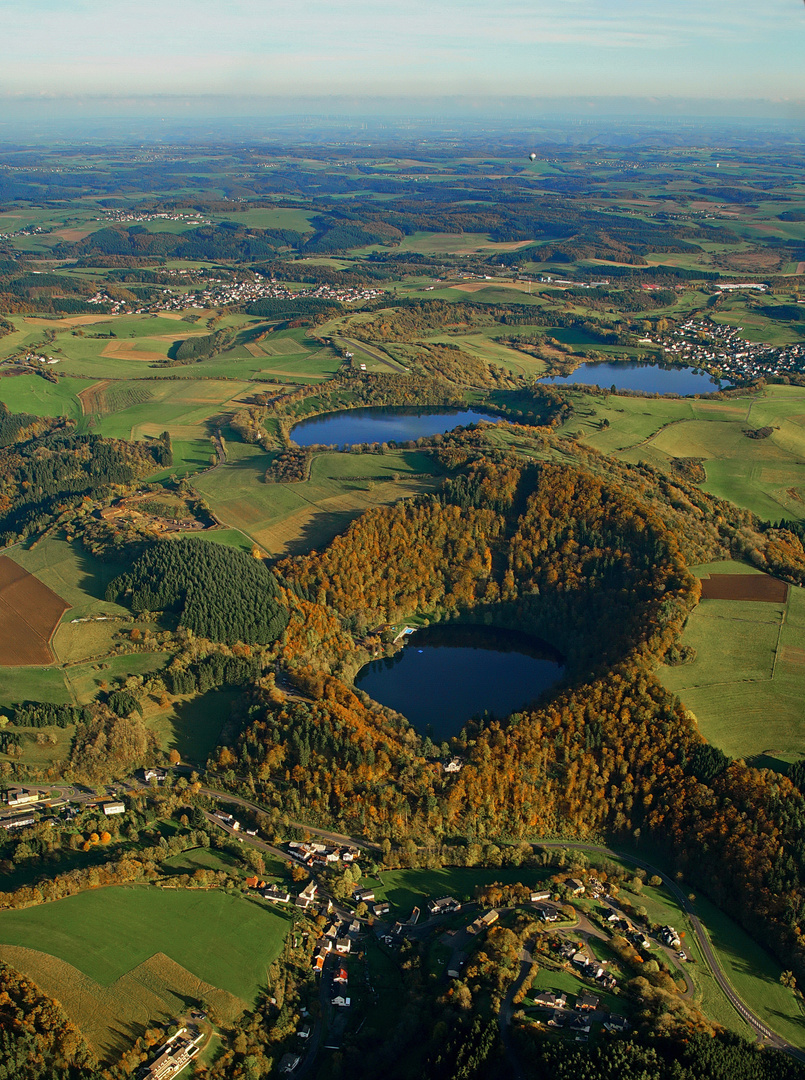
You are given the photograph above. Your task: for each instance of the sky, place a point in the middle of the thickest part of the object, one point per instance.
(65, 57)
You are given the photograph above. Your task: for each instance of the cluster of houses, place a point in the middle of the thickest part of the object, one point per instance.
(586, 965)
(194, 218)
(242, 292)
(305, 900)
(633, 935)
(337, 939)
(288, 1062)
(320, 856)
(707, 344)
(33, 358)
(367, 896)
(579, 1019)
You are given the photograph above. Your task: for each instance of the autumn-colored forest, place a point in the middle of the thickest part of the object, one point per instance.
(596, 565)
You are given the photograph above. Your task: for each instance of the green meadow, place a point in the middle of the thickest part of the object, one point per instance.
(286, 518)
(766, 476)
(745, 685)
(224, 940)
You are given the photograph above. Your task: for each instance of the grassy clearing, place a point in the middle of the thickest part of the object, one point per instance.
(227, 537)
(744, 685)
(40, 749)
(271, 218)
(485, 348)
(84, 680)
(285, 518)
(209, 859)
(191, 725)
(406, 889)
(32, 394)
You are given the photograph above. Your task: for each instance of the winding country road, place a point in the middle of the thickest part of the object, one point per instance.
(769, 1037)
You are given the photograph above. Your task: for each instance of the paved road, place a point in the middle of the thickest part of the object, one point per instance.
(334, 837)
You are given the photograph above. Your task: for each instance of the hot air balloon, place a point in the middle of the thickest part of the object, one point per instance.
(533, 157)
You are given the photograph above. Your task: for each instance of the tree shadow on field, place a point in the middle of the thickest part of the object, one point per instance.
(766, 760)
(321, 529)
(95, 573)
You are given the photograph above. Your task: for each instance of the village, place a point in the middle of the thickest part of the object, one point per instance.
(222, 293)
(589, 945)
(702, 343)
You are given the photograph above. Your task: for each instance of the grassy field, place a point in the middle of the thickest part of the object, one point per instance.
(406, 889)
(766, 476)
(190, 725)
(32, 394)
(745, 684)
(121, 958)
(287, 518)
(225, 940)
(80, 580)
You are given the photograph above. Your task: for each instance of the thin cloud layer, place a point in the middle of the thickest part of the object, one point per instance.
(718, 48)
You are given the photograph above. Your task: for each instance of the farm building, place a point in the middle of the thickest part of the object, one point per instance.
(483, 922)
(175, 1055)
(445, 905)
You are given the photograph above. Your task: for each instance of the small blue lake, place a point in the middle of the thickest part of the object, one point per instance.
(648, 378)
(444, 676)
(381, 425)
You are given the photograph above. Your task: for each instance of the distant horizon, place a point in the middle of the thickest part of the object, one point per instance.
(162, 119)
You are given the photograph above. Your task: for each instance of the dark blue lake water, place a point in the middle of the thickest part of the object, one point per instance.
(446, 675)
(646, 377)
(381, 425)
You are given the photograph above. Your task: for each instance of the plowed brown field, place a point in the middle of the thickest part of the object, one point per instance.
(29, 615)
(744, 587)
